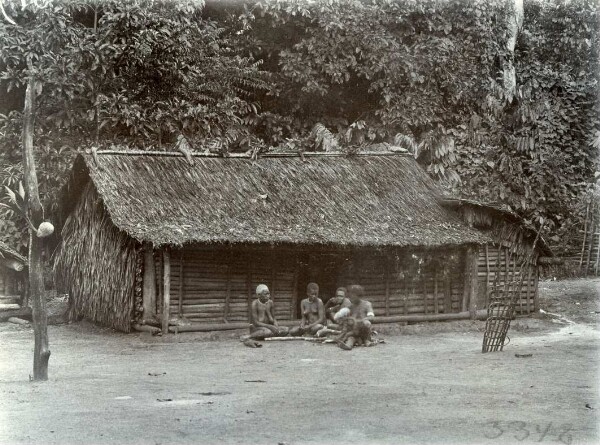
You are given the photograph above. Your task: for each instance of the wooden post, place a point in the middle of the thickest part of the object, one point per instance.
(25, 291)
(227, 295)
(536, 301)
(166, 290)
(414, 292)
(498, 271)
(529, 266)
(161, 287)
(506, 270)
(597, 254)
(293, 310)
(487, 276)
(447, 294)
(516, 287)
(41, 353)
(425, 295)
(181, 284)
(387, 285)
(590, 241)
(436, 308)
(272, 284)
(149, 284)
(585, 228)
(466, 280)
(474, 285)
(249, 289)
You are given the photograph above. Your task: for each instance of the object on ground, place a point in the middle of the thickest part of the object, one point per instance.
(312, 339)
(500, 314)
(523, 355)
(146, 328)
(17, 320)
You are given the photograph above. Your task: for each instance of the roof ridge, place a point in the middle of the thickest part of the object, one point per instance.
(310, 154)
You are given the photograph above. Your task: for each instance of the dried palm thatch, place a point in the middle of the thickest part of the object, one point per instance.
(9, 253)
(96, 265)
(505, 227)
(363, 200)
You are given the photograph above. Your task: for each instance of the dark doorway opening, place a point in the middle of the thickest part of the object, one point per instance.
(321, 268)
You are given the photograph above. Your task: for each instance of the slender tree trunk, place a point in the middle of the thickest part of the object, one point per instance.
(41, 353)
(515, 23)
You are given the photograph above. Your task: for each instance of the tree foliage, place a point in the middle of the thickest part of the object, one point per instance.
(326, 75)
(136, 73)
(428, 75)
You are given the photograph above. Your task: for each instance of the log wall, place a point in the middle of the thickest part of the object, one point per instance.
(217, 285)
(212, 286)
(9, 283)
(497, 267)
(408, 283)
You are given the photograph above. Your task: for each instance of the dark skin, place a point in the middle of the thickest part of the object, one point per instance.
(259, 317)
(338, 300)
(353, 326)
(312, 297)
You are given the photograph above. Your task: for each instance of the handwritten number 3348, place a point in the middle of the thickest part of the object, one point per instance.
(521, 430)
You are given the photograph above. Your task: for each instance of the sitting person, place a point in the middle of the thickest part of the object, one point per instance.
(334, 304)
(263, 323)
(355, 319)
(313, 313)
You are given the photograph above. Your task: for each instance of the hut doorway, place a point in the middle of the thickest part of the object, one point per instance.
(320, 268)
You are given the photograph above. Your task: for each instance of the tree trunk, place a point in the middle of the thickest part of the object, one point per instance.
(41, 353)
(515, 23)
(166, 290)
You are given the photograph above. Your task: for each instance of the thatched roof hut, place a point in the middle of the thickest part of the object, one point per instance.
(12, 265)
(7, 253)
(149, 234)
(511, 260)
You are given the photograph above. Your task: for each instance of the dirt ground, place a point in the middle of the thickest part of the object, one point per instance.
(429, 383)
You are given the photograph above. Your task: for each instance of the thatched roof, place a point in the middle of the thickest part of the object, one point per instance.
(363, 200)
(8, 252)
(492, 213)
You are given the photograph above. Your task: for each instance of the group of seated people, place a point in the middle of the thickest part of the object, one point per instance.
(347, 315)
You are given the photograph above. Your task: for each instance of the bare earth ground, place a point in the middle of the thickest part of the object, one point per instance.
(428, 384)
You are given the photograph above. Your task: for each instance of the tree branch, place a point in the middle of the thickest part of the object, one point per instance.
(8, 19)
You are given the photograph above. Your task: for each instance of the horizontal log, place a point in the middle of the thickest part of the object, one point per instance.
(209, 327)
(146, 328)
(9, 299)
(480, 315)
(550, 261)
(207, 321)
(188, 301)
(200, 327)
(20, 312)
(17, 320)
(417, 309)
